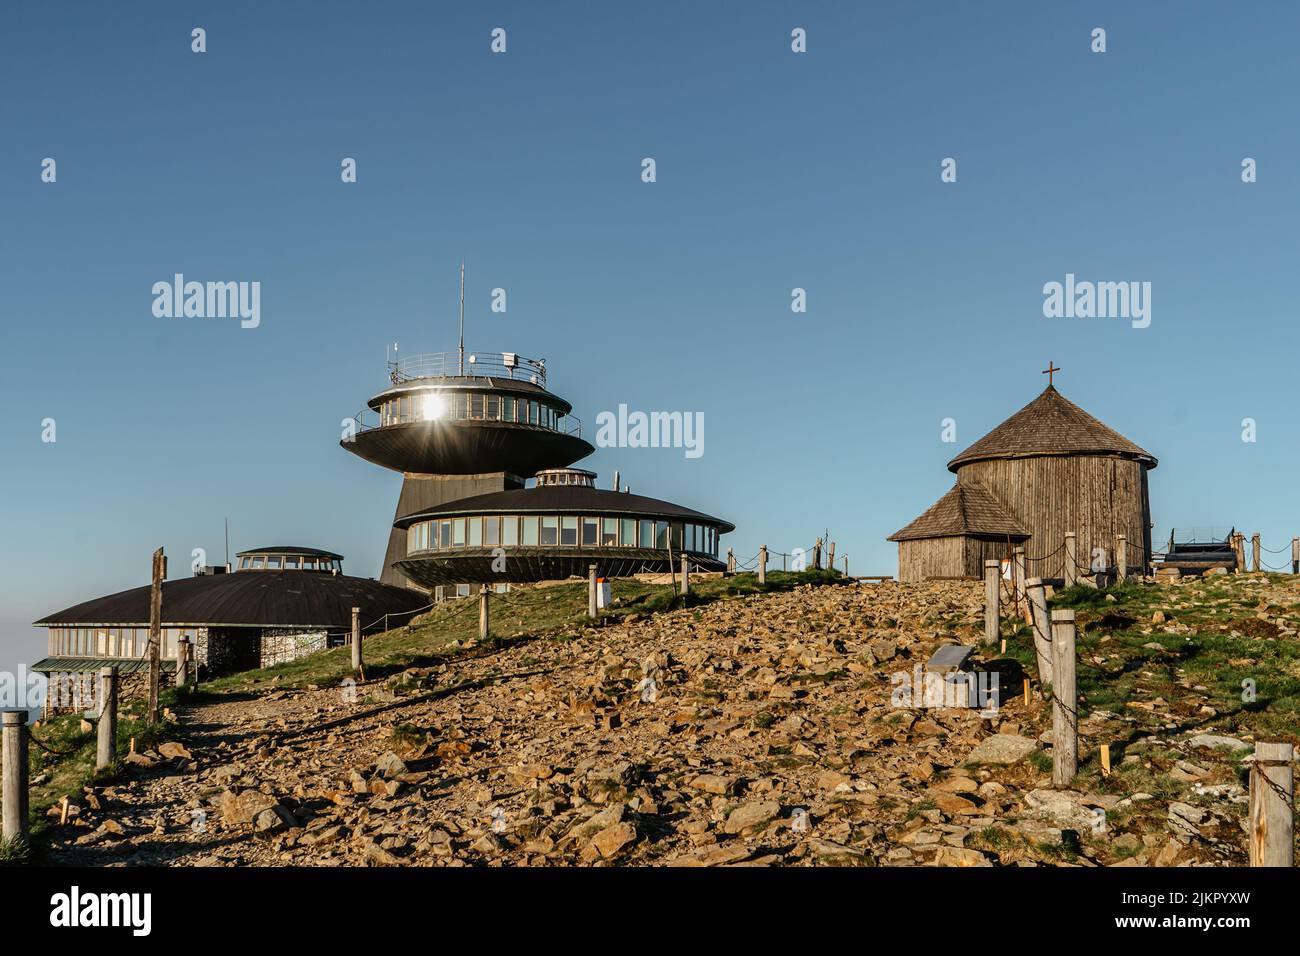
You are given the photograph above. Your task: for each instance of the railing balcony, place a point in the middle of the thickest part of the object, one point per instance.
(367, 419)
(478, 364)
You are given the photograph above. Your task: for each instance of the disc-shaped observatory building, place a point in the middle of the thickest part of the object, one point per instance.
(468, 431)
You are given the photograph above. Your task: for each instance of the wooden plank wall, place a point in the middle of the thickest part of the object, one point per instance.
(1095, 497)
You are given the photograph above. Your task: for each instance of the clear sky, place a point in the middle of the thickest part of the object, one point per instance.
(775, 170)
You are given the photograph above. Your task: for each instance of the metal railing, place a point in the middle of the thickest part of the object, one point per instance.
(368, 419)
(480, 364)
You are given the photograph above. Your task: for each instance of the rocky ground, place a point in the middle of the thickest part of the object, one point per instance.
(758, 731)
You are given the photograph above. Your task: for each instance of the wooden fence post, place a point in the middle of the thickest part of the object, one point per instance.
(483, 623)
(1239, 550)
(155, 632)
(1295, 555)
(686, 575)
(1042, 628)
(817, 555)
(356, 640)
(762, 564)
(1065, 700)
(1254, 549)
(1121, 557)
(1018, 573)
(1071, 559)
(106, 732)
(731, 561)
(591, 590)
(1272, 795)
(182, 661)
(830, 557)
(992, 587)
(13, 799)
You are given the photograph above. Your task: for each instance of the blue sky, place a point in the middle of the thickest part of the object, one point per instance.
(775, 171)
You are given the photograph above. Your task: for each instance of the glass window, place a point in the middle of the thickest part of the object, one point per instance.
(291, 563)
(243, 563)
(475, 532)
(444, 533)
(458, 532)
(273, 563)
(661, 534)
(530, 530)
(675, 530)
(509, 531)
(507, 408)
(259, 564)
(534, 413)
(609, 532)
(476, 406)
(590, 532)
(494, 406)
(550, 529)
(462, 590)
(492, 531)
(569, 530)
(647, 536)
(627, 533)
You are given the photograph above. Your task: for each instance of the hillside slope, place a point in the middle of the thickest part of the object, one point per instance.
(756, 730)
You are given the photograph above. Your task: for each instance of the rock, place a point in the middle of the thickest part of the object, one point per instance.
(389, 765)
(711, 783)
(959, 856)
(375, 855)
(883, 650)
(713, 856)
(1185, 818)
(1002, 749)
(173, 750)
(244, 807)
(1065, 808)
(611, 841)
(487, 844)
(752, 816)
(268, 821)
(952, 804)
(1219, 740)
(321, 836)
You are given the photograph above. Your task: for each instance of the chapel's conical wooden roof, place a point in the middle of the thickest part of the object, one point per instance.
(969, 508)
(1051, 425)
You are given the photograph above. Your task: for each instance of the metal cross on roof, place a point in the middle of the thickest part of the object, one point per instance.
(1049, 371)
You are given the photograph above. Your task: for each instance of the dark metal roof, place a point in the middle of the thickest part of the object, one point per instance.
(264, 599)
(290, 549)
(1051, 425)
(566, 499)
(967, 509)
(124, 665)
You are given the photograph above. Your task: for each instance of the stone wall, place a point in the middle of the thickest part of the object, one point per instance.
(280, 646)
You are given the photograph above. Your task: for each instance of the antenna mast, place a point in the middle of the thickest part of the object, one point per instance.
(462, 317)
